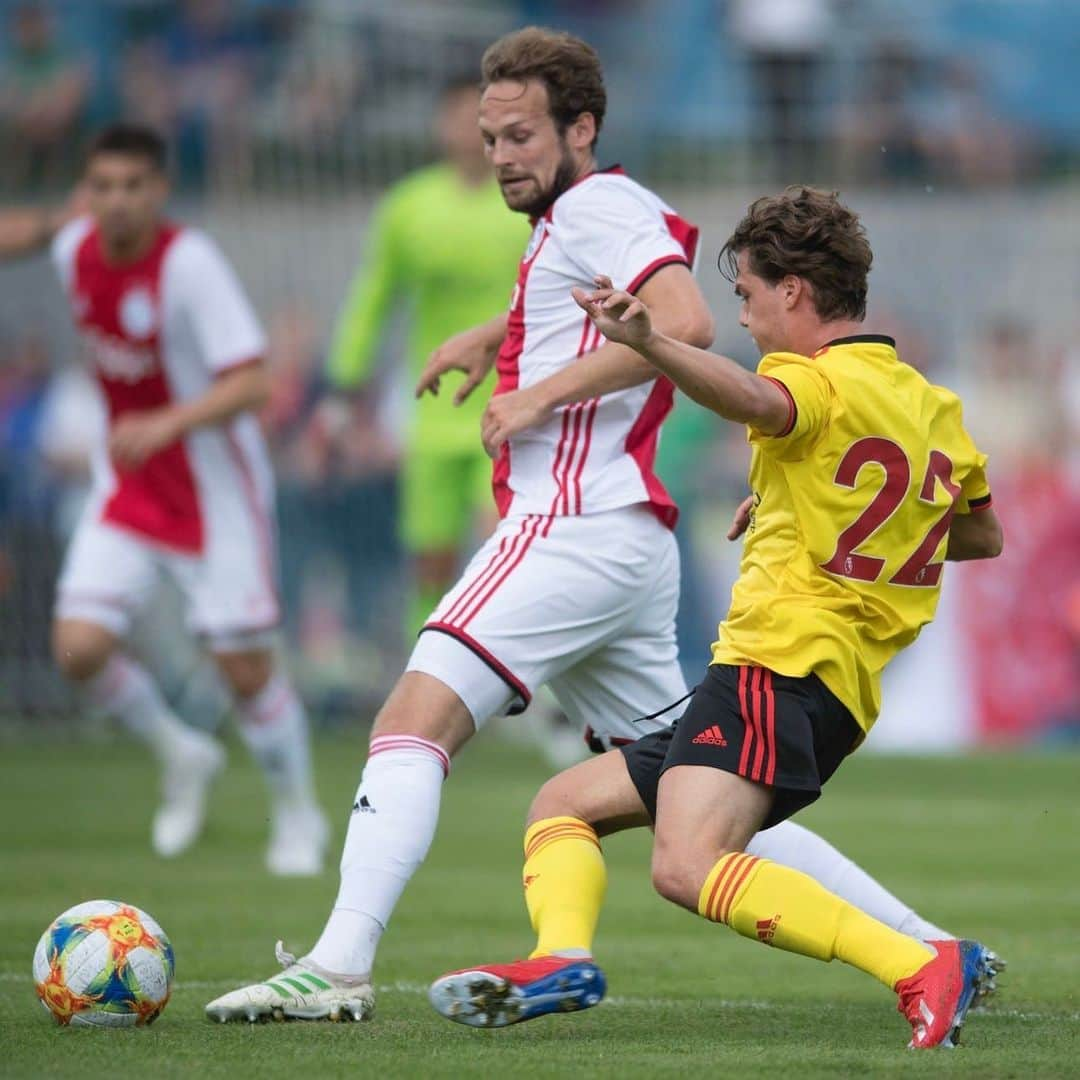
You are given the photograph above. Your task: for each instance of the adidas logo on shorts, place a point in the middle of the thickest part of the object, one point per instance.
(711, 736)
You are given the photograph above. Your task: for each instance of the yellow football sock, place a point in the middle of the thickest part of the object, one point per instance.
(565, 881)
(783, 907)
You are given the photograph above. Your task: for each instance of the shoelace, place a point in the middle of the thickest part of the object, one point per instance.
(284, 958)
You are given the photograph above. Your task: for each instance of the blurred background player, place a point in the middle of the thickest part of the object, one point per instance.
(182, 486)
(443, 242)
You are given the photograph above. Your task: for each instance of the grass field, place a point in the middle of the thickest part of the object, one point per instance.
(989, 846)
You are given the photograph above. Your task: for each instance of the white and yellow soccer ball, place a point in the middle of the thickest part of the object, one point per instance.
(104, 964)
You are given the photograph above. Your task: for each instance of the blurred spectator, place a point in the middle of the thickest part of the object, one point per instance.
(1012, 396)
(963, 138)
(29, 552)
(44, 87)
(194, 82)
(786, 44)
(316, 92)
(877, 129)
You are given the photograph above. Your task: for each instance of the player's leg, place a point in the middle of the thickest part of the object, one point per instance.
(433, 710)
(108, 577)
(394, 815)
(273, 725)
(564, 880)
(629, 668)
(753, 748)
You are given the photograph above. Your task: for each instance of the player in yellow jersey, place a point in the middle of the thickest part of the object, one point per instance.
(864, 480)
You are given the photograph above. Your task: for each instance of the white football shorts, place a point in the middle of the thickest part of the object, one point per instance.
(110, 575)
(585, 604)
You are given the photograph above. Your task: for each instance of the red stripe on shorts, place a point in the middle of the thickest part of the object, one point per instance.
(486, 574)
(748, 730)
(759, 722)
(506, 568)
(770, 727)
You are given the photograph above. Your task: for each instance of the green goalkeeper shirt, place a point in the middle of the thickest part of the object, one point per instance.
(450, 252)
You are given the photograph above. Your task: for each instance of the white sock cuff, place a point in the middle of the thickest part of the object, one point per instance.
(266, 708)
(382, 744)
(103, 687)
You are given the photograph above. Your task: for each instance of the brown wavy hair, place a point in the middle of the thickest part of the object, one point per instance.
(809, 233)
(568, 67)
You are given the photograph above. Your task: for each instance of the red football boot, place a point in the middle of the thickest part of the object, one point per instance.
(495, 995)
(936, 998)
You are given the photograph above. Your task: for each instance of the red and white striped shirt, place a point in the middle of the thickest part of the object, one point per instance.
(159, 330)
(598, 454)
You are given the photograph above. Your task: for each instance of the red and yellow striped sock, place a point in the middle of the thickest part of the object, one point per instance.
(783, 907)
(565, 880)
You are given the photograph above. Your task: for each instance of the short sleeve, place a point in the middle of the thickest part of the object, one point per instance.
(64, 246)
(974, 485)
(613, 229)
(810, 397)
(214, 303)
(968, 462)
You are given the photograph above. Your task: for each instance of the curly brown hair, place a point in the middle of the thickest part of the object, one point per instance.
(809, 233)
(568, 67)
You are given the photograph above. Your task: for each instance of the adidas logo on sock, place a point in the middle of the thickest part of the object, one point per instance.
(766, 929)
(711, 736)
(363, 806)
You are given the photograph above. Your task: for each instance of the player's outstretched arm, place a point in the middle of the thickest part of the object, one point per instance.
(678, 306)
(714, 381)
(977, 535)
(473, 351)
(27, 230)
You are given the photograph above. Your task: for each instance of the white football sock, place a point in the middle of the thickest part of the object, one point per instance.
(392, 825)
(274, 728)
(124, 689)
(798, 847)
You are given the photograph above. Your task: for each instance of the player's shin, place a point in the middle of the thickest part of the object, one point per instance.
(779, 906)
(565, 880)
(274, 728)
(125, 690)
(392, 825)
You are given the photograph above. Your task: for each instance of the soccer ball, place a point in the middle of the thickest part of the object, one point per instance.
(104, 964)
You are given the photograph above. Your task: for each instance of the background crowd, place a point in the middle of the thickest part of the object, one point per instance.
(948, 123)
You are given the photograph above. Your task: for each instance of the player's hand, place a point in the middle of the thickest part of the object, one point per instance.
(472, 351)
(742, 518)
(619, 316)
(138, 436)
(508, 414)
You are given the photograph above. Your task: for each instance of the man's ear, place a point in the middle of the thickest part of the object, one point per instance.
(792, 288)
(581, 134)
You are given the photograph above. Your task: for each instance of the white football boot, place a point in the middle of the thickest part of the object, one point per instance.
(303, 991)
(185, 783)
(298, 839)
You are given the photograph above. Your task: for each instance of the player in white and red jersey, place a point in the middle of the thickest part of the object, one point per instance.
(578, 586)
(182, 486)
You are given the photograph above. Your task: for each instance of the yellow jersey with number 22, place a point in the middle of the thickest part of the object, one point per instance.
(842, 562)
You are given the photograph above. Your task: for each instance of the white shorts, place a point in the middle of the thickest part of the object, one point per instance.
(585, 604)
(110, 575)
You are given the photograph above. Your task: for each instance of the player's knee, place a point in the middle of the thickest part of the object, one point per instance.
(557, 798)
(674, 879)
(246, 673)
(80, 650)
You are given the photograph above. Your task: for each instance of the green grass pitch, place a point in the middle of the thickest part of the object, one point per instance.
(987, 845)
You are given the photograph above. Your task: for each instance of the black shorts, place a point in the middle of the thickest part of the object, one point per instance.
(789, 733)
